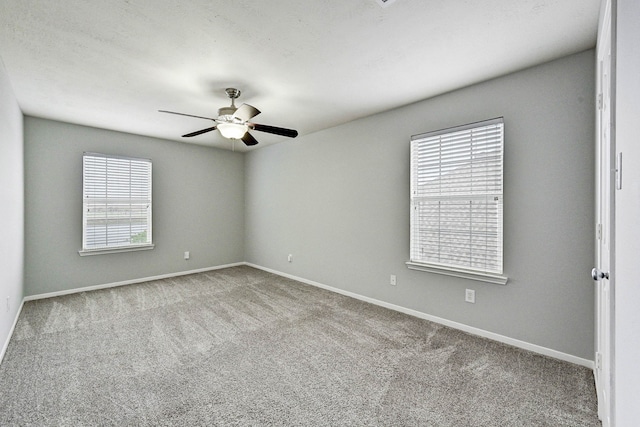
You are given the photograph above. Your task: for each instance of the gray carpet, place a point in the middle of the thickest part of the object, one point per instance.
(242, 347)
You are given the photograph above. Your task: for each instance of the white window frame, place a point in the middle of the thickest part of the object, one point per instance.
(116, 190)
(457, 180)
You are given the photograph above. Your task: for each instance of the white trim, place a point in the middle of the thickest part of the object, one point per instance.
(458, 272)
(127, 282)
(460, 326)
(13, 327)
(87, 252)
(115, 156)
(452, 129)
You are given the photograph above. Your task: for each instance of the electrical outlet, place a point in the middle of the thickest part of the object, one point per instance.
(392, 280)
(186, 255)
(470, 296)
(290, 258)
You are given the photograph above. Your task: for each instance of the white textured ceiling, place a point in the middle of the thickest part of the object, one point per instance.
(306, 65)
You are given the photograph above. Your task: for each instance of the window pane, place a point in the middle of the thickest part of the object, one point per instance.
(116, 202)
(456, 194)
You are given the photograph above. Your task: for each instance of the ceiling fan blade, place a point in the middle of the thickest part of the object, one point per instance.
(246, 112)
(199, 132)
(249, 140)
(188, 115)
(291, 133)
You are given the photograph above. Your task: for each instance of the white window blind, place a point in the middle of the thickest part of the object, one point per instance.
(116, 203)
(456, 197)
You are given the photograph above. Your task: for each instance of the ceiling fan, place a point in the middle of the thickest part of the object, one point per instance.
(233, 123)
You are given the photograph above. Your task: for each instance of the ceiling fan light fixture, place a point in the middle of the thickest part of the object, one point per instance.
(233, 130)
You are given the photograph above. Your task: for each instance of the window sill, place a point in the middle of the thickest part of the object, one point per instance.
(87, 252)
(465, 274)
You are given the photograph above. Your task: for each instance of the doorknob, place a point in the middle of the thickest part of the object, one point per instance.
(599, 275)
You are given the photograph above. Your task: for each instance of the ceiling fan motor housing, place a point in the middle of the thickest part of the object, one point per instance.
(226, 111)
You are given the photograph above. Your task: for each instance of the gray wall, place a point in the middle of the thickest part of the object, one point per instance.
(11, 207)
(338, 200)
(198, 206)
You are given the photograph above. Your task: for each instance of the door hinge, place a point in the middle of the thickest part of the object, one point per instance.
(599, 101)
(598, 361)
(599, 232)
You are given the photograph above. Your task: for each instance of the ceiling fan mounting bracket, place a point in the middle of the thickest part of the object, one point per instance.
(233, 93)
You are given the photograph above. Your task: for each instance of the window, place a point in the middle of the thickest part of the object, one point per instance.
(456, 201)
(116, 203)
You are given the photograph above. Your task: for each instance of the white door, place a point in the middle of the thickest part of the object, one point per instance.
(605, 169)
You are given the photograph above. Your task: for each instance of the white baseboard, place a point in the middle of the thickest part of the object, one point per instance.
(127, 282)
(13, 327)
(460, 326)
(102, 286)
